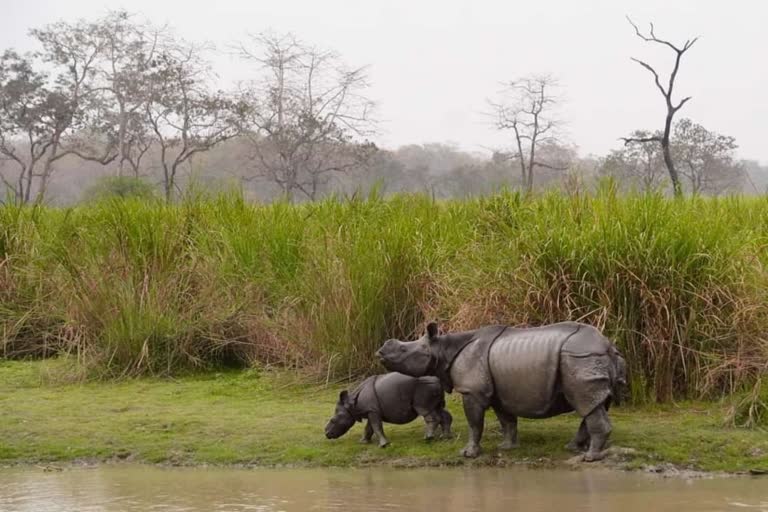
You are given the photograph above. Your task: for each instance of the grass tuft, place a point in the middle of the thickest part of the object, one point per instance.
(129, 287)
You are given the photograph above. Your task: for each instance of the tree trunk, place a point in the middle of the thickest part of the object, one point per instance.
(523, 176)
(45, 176)
(529, 185)
(167, 184)
(167, 174)
(531, 160)
(26, 194)
(677, 189)
(666, 150)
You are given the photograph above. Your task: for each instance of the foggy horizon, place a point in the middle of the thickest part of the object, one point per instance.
(433, 65)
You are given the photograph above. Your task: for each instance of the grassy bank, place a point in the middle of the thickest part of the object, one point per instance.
(265, 418)
(141, 288)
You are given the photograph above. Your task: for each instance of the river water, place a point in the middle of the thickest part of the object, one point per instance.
(144, 488)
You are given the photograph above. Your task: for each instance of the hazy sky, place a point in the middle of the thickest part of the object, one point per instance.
(433, 63)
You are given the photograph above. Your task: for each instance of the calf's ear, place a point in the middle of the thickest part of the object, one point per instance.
(343, 396)
(432, 329)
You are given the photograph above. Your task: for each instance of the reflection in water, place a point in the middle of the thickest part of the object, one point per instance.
(138, 488)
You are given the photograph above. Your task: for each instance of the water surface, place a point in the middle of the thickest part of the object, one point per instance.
(145, 488)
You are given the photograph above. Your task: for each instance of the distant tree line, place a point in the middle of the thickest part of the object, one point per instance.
(106, 101)
(705, 161)
(139, 100)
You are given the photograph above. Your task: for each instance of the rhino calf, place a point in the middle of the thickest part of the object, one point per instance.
(530, 373)
(391, 398)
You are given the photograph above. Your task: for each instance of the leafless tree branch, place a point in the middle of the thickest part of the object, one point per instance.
(525, 109)
(666, 93)
(642, 140)
(305, 112)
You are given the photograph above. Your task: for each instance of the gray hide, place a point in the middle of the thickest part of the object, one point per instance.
(520, 367)
(531, 373)
(391, 398)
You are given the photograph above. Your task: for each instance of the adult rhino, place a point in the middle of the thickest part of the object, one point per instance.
(521, 372)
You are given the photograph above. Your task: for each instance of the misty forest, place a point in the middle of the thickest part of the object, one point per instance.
(119, 106)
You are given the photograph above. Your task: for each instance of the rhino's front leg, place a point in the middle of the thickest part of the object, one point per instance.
(508, 428)
(581, 440)
(374, 420)
(474, 410)
(368, 434)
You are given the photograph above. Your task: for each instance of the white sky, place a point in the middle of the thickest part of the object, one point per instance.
(433, 63)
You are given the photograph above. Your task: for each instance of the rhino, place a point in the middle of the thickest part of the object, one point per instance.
(391, 398)
(536, 372)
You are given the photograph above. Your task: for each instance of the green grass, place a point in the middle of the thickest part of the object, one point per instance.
(130, 287)
(269, 418)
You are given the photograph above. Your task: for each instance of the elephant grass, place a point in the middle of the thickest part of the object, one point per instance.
(273, 418)
(132, 287)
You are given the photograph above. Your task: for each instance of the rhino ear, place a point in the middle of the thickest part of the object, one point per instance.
(432, 329)
(344, 397)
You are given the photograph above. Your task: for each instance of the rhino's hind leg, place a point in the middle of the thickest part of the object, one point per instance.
(432, 421)
(599, 428)
(508, 428)
(474, 410)
(580, 441)
(446, 420)
(374, 420)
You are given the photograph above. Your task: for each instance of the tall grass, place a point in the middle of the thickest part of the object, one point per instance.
(131, 287)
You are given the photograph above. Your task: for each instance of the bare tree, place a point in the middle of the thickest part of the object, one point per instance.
(48, 102)
(185, 116)
(309, 117)
(123, 75)
(74, 49)
(640, 163)
(672, 109)
(755, 175)
(32, 117)
(707, 158)
(526, 108)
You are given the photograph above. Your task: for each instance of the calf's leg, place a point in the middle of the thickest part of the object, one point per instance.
(368, 434)
(374, 420)
(432, 420)
(446, 420)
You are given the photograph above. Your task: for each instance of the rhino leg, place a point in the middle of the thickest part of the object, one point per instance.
(368, 434)
(508, 428)
(599, 428)
(580, 441)
(374, 420)
(432, 421)
(446, 420)
(474, 410)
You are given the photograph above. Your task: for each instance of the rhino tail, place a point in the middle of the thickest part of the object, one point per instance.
(618, 375)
